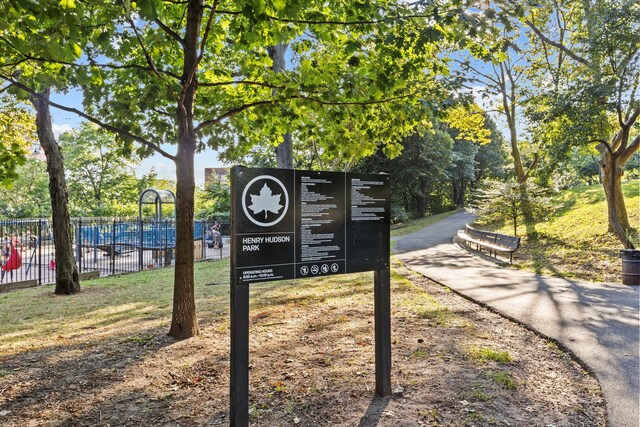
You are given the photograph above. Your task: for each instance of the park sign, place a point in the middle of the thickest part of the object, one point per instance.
(292, 224)
(296, 224)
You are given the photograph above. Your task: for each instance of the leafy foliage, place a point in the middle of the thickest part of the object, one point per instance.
(28, 194)
(418, 173)
(214, 203)
(498, 201)
(17, 127)
(100, 175)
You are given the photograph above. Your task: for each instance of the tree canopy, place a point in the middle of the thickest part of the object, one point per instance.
(100, 176)
(199, 72)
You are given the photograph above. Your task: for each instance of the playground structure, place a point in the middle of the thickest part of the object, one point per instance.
(104, 246)
(120, 238)
(154, 234)
(19, 241)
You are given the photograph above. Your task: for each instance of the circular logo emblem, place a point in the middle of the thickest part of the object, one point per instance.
(314, 269)
(324, 268)
(265, 200)
(335, 267)
(304, 270)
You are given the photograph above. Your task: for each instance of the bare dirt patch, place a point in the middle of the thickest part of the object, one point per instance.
(454, 364)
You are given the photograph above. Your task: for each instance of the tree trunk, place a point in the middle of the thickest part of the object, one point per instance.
(611, 172)
(184, 322)
(421, 204)
(521, 177)
(459, 191)
(284, 151)
(67, 279)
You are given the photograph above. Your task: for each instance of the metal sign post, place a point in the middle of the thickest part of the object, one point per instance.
(288, 224)
(382, 315)
(239, 410)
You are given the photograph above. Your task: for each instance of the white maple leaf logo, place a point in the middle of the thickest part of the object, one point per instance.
(265, 201)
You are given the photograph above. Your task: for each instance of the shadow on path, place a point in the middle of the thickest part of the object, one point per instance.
(598, 322)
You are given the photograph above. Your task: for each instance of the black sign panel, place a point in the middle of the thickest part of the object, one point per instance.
(298, 224)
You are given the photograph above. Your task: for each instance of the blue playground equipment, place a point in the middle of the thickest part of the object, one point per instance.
(135, 234)
(120, 237)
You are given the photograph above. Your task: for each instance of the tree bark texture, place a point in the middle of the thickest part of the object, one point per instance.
(508, 92)
(613, 157)
(611, 172)
(284, 151)
(184, 322)
(67, 279)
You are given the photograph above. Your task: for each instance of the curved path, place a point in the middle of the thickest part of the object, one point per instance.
(597, 322)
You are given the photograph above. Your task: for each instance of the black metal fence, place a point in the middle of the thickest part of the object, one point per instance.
(104, 246)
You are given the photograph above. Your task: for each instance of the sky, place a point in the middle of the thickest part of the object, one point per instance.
(64, 121)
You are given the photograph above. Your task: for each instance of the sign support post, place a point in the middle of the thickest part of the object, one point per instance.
(382, 314)
(239, 399)
(239, 331)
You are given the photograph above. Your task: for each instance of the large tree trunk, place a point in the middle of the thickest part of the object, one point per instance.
(67, 279)
(284, 151)
(421, 205)
(184, 323)
(459, 188)
(611, 171)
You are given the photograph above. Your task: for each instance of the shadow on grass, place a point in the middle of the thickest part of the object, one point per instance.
(372, 416)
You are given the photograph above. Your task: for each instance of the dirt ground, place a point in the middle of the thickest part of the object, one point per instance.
(454, 364)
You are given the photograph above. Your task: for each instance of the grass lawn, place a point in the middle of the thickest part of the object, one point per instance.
(102, 357)
(573, 242)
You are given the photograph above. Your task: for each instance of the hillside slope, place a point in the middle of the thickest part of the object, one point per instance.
(573, 241)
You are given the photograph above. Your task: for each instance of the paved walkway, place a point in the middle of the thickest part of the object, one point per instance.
(598, 322)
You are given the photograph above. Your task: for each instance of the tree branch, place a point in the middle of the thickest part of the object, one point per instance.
(632, 148)
(534, 163)
(240, 82)
(7, 87)
(603, 143)
(632, 116)
(205, 36)
(229, 114)
(142, 46)
(486, 76)
(92, 119)
(345, 23)
(245, 107)
(29, 57)
(557, 45)
(170, 32)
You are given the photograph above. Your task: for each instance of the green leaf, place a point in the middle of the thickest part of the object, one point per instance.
(76, 49)
(279, 5)
(148, 9)
(68, 4)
